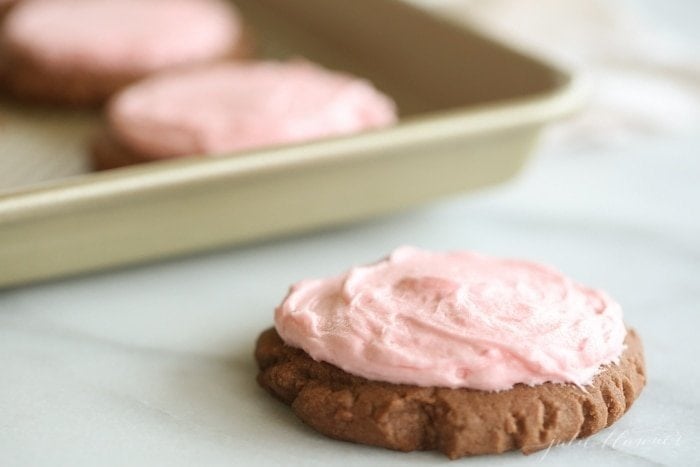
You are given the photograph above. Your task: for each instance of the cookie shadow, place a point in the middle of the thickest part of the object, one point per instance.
(234, 405)
(223, 396)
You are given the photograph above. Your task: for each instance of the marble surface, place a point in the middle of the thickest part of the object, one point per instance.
(153, 366)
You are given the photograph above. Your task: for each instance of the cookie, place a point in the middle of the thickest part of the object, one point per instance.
(455, 351)
(236, 106)
(5, 6)
(108, 154)
(79, 52)
(459, 422)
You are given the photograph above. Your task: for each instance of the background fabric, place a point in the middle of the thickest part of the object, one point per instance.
(644, 80)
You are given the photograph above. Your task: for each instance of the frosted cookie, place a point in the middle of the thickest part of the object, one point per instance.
(456, 352)
(236, 106)
(80, 52)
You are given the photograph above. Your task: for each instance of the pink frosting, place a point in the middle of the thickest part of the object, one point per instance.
(456, 319)
(237, 106)
(122, 36)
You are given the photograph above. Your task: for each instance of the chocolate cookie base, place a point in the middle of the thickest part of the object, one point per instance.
(107, 153)
(458, 422)
(5, 8)
(24, 77)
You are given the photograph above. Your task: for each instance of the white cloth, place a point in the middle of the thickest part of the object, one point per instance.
(645, 81)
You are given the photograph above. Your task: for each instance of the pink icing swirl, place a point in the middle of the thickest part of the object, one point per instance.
(455, 319)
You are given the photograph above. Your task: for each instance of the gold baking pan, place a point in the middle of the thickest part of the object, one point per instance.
(471, 110)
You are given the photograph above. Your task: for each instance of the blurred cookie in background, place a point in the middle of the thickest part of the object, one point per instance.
(79, 52)
(236, 106)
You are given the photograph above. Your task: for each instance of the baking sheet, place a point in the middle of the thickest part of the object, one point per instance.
(470, 110)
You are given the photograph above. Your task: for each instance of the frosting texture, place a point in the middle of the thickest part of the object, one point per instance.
(122, 36)
(244, 105)
(454, 319)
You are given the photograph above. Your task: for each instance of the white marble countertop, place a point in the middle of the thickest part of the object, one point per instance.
(153, 366)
